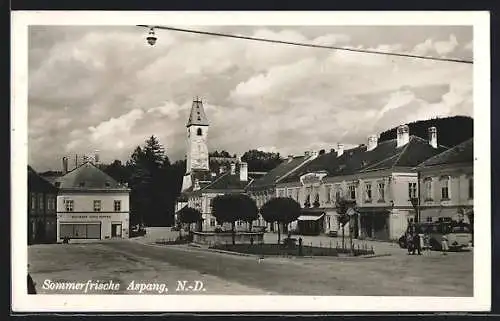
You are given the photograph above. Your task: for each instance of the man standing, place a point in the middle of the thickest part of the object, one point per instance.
(31, 285)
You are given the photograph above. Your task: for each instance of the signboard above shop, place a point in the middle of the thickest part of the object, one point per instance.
(312, 178)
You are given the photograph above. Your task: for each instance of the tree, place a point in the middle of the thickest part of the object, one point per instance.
(230, 208)
(261, 161)
(249, 210)
(189, 215)
(282, 210)
(342, 206)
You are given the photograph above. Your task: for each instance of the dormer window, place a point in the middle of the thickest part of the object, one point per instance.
(199, 132)
(82, 184)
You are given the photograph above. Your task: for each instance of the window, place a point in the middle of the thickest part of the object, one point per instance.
(33, 201)
(328, 197)
(297, 194)
(199, 132)
(429, 219)
(368, 192)
(97, 205)
(82, 184)
(289, 192)
(445, 180)
(316, 201)
(352, 192)
(69, 205)
(117, 206)
(412, 190)
(51, 203)
(307, 203)
(40, 202)
(428, 188)
(212, 222)
(471, 187)
(381, 191)
(338, 193)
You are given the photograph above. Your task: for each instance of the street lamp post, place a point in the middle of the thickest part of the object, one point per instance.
(415, 203)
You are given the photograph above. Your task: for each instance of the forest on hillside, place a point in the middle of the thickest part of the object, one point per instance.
(451, 131)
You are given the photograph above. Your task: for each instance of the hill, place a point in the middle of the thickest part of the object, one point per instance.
(451, 130)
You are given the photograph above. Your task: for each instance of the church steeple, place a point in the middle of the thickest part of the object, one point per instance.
(197, 116)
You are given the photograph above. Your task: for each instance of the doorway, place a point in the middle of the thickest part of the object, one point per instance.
(116, 230)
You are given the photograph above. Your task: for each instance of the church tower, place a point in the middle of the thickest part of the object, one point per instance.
(197, 149)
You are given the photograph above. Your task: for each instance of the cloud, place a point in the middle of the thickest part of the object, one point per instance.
(105, 88)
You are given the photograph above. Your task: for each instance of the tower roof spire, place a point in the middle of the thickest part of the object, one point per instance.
(197, 115)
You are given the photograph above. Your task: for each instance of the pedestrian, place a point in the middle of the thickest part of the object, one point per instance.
(444, 244)
(417, 246)
(409, 243)
(427, 243)
(31, 285)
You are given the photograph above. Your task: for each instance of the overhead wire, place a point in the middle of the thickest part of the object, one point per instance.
(310, 45)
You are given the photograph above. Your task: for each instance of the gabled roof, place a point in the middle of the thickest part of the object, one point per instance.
(410, 155)
(461, 153)
(86, 177)
(197, 115)
(385, 156)
(279, 172)
(328, 162)
(228, 182)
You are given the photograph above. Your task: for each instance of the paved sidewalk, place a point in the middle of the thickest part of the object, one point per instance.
(379, 247)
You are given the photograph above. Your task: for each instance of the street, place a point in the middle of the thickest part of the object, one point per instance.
(124, 261)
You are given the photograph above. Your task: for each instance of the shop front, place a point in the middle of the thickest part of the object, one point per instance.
(92, 226)
(311, 222)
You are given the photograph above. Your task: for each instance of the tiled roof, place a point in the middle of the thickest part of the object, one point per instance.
(228, 182)
(328, 162)
(386, 155)
(197, 115)
(278, 172)
(410, 155)
(461, 153)
(88, 176)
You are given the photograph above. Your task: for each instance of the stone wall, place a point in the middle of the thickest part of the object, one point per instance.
(207, 238)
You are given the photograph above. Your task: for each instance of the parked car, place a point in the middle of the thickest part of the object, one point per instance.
(458, 234)
(333, 233)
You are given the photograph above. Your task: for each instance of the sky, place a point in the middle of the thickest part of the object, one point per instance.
(104, 88)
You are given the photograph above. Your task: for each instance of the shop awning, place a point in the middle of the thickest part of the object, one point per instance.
(310, 217)
(372, 210)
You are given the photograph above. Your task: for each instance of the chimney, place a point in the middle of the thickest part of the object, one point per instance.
(290, 158)
(314, 154)
(332, 150)
(306, 153)
(403, 136)
(65, 165)
(340, 150)
(433, 137)
(96, 156)
(233, 168)
(76, 160)
(243, 172)
(221, 169)
(372, 142)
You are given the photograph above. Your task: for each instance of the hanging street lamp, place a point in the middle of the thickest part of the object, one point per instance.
(151, 39)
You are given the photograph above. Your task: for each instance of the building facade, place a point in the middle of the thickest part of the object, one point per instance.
(380, 177)
(91, 205)
(447, 185)
(42, 218)
(263, 189)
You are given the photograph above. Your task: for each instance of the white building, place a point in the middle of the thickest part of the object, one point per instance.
(91, 205)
